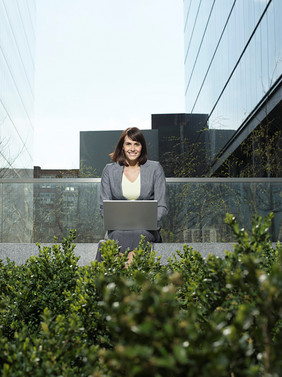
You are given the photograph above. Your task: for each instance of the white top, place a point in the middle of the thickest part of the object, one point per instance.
(130, 190)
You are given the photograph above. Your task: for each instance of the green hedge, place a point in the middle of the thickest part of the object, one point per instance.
(192, 317)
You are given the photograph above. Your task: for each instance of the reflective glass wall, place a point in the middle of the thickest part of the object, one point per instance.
(17, 45)
(233, 56)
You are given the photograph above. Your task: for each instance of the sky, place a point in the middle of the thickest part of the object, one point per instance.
(103, 65)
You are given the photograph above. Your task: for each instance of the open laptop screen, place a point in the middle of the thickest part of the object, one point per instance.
(130, 214)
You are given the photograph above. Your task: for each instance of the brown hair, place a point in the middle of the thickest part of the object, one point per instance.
(136, 135)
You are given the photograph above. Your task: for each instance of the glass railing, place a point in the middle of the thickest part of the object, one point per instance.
(36, 210)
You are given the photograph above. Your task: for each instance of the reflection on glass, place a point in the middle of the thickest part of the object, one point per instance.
(198, 210)
(61, 207)
(233, 56)
(17, 42)
(16, 213)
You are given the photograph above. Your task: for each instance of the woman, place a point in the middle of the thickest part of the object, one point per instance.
(131, 176)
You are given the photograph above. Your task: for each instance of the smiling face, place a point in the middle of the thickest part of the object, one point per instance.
(132, 150)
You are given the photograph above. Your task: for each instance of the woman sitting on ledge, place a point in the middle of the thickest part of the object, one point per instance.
(131, 176)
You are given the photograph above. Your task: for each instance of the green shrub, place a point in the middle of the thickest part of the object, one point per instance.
(226, 311)
(191, 317)
(59, 348)
(44, 281)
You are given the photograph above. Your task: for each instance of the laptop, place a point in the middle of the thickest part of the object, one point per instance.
(130, 214)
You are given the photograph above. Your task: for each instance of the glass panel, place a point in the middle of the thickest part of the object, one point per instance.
(17, 213)
(61, 207)
(197, 210)
(36, 212)
(208, 88)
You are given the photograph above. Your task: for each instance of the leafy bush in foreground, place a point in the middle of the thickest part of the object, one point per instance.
(191, 317)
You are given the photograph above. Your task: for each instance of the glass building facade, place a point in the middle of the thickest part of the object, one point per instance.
(233, 60)
(17, 49)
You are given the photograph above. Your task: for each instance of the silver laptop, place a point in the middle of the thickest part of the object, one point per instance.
(130, 214)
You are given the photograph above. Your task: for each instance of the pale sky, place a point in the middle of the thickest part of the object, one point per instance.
(103, 65)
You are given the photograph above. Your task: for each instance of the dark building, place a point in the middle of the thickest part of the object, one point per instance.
(183, 143)
(95, 147)
(55, 173)
(217, 141)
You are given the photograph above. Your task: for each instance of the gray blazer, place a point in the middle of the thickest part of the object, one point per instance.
(152, 179)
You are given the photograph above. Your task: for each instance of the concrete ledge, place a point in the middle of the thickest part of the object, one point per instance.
(19, 253)
(166, 250)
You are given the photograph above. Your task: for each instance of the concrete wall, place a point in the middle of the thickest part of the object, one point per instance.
(19, 253)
